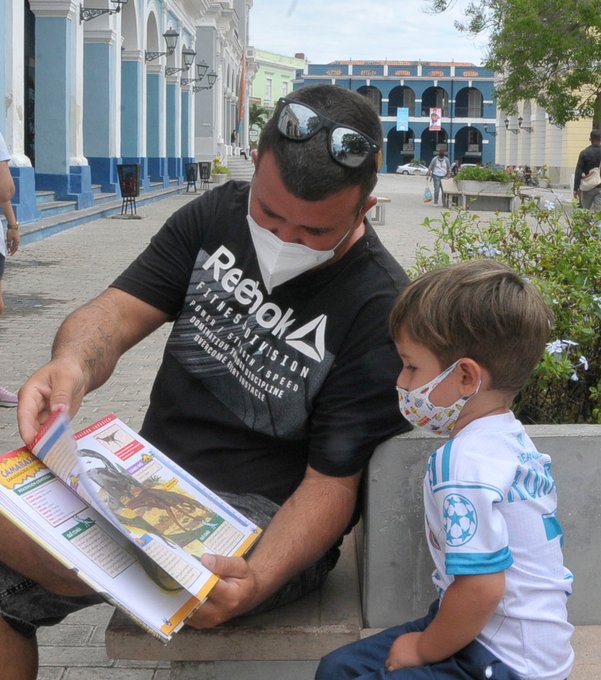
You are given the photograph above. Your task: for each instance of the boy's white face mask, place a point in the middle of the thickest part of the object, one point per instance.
(280, 261)
(417, 408)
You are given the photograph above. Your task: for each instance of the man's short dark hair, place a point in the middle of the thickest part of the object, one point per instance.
(595, 136)
(306, 168)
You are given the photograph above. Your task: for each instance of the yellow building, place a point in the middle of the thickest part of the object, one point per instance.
(531, 138)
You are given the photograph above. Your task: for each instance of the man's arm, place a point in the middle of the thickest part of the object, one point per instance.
(578, 173)
(467, 605)
(7, 184)
(85, 352)
(304, 528)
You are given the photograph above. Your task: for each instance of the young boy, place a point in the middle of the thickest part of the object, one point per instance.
(469, 336)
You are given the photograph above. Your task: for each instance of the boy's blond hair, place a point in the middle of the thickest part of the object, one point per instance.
(479, 309)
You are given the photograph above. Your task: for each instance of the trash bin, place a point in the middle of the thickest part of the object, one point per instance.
(205, 174)
(129, 184)
(191, 175)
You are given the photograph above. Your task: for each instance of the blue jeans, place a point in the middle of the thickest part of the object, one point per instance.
(437, 187)
(364, 660)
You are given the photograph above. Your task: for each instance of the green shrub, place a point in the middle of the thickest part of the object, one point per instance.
(482, 173)
(219, 168)
(561, 255)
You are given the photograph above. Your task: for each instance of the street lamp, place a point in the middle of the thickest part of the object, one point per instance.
(492, 133)
(202, 68)
(171, 37)
(188, 58)
(525, 128)
(514, 130)
(87, 13)
(211, 77)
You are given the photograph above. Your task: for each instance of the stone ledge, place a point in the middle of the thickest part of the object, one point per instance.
(304, 630)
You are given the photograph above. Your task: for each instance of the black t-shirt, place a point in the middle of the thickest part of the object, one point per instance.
(253, 386)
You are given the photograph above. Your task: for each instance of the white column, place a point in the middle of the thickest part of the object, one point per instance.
(14, 86)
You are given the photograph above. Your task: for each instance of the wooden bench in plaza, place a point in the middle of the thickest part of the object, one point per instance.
(384, 574)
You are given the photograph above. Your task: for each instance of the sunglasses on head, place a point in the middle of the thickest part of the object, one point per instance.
(347, 146)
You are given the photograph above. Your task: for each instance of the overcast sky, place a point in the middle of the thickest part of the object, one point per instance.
(327, 30)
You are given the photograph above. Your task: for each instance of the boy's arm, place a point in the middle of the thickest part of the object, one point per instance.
(467, 605)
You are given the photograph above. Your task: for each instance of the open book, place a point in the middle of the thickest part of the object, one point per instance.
(126, 518)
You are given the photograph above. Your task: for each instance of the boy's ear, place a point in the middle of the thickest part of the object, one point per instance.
(470, 375)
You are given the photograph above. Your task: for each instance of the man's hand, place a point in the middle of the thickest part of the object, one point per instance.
(404, 653)
(60, 383)
(234, 593)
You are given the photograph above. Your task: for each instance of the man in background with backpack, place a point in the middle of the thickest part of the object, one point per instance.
(589, 159)
(439, 169)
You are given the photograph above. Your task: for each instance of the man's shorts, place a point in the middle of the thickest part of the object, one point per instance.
(2, 261)
(26, 606)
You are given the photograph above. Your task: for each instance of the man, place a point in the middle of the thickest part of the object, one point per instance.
(278, 377)
(588, 159)
(8, 399)
(439, 169)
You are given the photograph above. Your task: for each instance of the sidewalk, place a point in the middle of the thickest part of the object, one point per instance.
(47, 280)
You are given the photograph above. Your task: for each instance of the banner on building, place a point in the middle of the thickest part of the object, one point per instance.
(435, 118)
(402, 119)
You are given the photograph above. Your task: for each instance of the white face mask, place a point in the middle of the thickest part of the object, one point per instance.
(280, 261)
(417, 408)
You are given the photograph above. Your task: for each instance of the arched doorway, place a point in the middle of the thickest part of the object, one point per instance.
(469, 103)
(401, 97)
(400, 148)
(435, 97)
(432, 140)
(374, 95)
(29, 80)
(468, 145)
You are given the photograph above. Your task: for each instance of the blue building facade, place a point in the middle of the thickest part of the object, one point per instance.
(463, 92)
(89, 85)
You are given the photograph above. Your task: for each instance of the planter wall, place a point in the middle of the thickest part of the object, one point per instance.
(220, 178)
(472, 187)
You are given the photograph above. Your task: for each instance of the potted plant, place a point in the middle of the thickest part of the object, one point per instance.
(219, 173)
(477, 178)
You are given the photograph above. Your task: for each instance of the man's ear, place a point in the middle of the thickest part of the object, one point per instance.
(470, 376)
(254, 154)
(369, 203)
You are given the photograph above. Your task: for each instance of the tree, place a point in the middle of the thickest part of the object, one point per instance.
(545, 50)
(257, 116)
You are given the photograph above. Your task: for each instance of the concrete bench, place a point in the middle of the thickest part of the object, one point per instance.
(284, 644)
(394, 570)
(379, 210)
(450, 192)
(487, 201)
(396, 565)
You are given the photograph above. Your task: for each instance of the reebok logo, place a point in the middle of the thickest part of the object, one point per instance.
(308, 339)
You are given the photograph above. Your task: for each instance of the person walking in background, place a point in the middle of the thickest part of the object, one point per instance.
(489, 498)
(439, 169)
(589, 159)
(9, 243)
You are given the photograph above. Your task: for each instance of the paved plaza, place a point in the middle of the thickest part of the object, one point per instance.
(47, 280)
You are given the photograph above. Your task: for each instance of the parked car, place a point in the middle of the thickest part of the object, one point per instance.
(412, 168)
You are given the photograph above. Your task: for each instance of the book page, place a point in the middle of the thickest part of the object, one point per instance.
(164, 511)
(74, 533)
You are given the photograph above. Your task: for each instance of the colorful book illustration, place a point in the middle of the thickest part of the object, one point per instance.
(125, 517)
